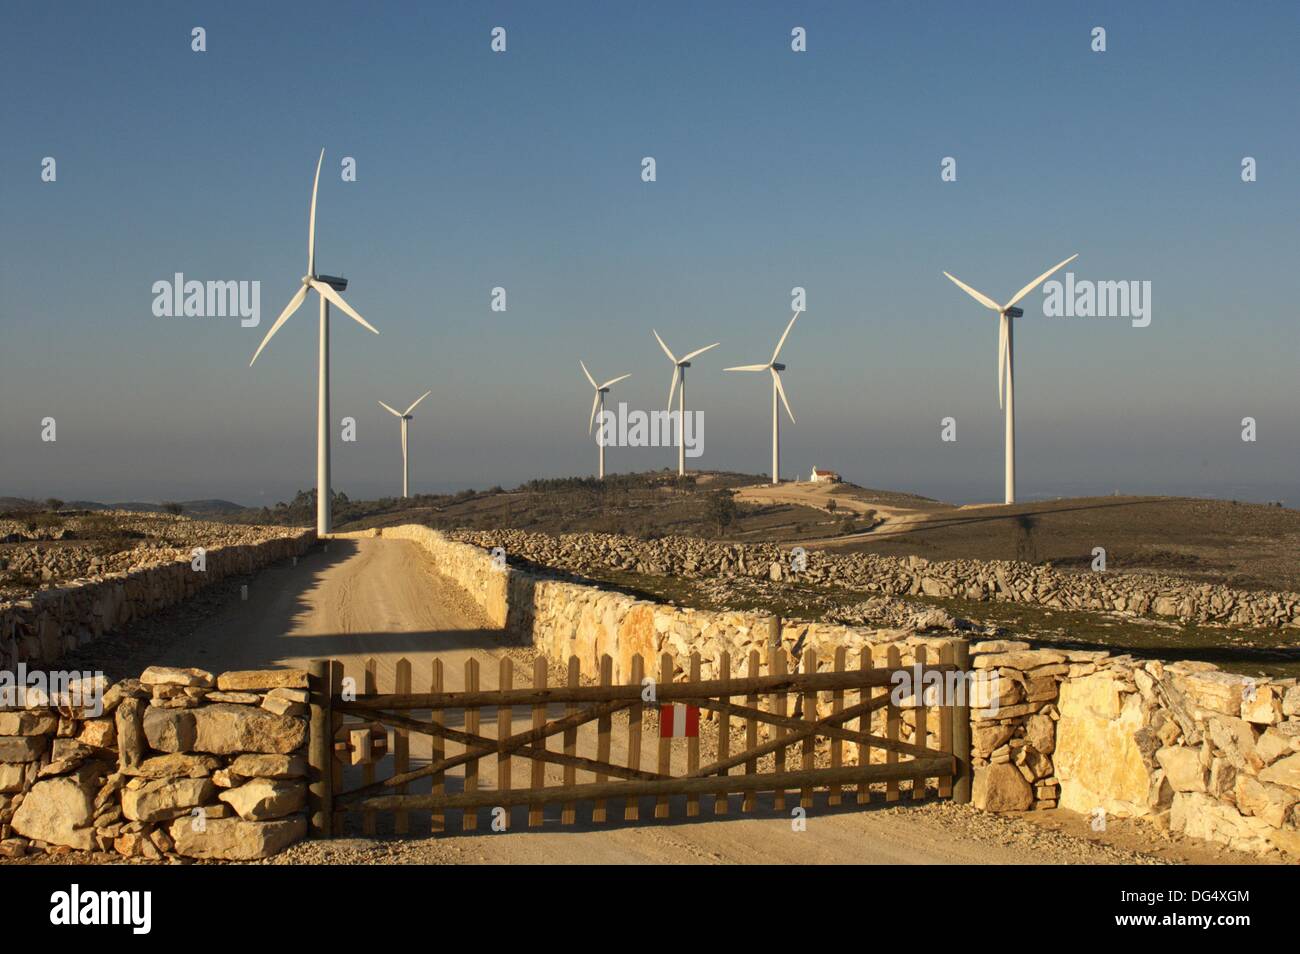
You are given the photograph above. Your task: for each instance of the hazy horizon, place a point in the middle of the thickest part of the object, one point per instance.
(775, 169)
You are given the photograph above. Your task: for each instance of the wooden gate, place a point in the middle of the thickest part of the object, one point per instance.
(760, 734)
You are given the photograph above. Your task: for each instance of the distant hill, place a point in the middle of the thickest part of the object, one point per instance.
(194, 508)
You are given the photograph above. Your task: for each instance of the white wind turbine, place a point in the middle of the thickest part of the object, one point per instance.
(1005, 360)
(328, 288)
(598, 405)
(405, 417)
(776, 370)
(679, 373)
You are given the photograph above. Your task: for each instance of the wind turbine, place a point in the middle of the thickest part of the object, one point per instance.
(1005, 359)
(679, 372)
(405, 417)
(776, 370)
(327, 288)
(598, 404)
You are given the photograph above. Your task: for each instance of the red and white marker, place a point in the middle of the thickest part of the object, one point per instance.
(679, 721)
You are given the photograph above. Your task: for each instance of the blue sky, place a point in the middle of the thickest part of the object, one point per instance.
(775, 169)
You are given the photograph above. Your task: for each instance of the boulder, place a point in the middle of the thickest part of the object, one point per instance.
(1291, 702)
(1021, 659)
(1098, 758)
(12, 777)
(269, 766)
(989, 736)
(99, 733)
(170, 676)
(58, 811)
(997, 646)
(1040, 732)
(226, 729)
(174, 766)
(1183, 768)
(1219, 691)
(129, 722)
(164, 799)
(1001, 788)
(1284, 772)
(1272, 803)
(261, 799)
(1263, 706)
(285, 707)
(1235, 738)
(21, 748)
(1277, 741)
(262, 679)
(170, 730)
(29, 722)
(239, 698)
(233, 839)
(1197, 815)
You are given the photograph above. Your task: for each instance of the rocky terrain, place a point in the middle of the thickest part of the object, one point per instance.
(1144, 595)
(42, 550)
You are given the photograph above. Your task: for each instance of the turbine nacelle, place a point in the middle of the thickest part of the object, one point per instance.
(601, 389)
(777, 367)
(326, 286)
(1013, 312)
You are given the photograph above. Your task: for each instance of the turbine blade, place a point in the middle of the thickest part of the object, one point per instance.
(776, 379)
(664, 346)
(701, 351)
(390, 410)
(311, 222)
(587, 373)
(672, 387)
(418, 400)
(335, 299)
(1040, 279)
(749, 367)
(294, 304)
(1002, 354)
(979, 296)
(611, 383)
(595, 403)
(783, 337)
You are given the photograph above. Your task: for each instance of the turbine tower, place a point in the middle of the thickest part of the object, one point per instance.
(327, 287)
(679, 373)
(776, 370)
(1005, 359)
(405, 417)
(598, 404)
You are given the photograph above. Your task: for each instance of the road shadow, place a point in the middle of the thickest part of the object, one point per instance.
(765, 810)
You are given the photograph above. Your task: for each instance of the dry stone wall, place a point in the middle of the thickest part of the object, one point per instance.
(40, 628)
(1195, 750)
(1138, 594)
(177, 763)
(1205, 753)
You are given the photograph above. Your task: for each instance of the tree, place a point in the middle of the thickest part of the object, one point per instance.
(173, 508)
(53, 504)
(722, 508)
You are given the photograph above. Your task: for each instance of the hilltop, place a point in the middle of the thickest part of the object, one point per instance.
(1247, 546)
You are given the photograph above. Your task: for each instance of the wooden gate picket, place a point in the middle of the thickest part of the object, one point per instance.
(604, 714)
